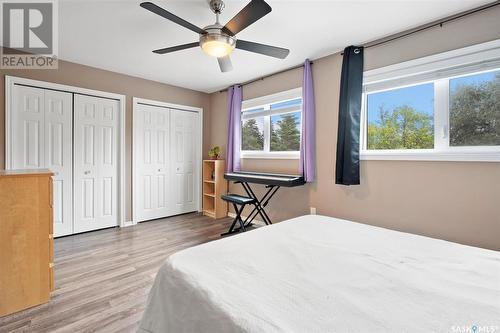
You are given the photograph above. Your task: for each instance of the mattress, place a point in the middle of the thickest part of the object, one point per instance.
(322, 274)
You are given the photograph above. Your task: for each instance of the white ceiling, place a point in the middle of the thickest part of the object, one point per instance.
(119, 35)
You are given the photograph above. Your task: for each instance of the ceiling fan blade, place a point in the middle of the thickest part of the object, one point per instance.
(252, 12)
(225, 64)
(268, 50)
(169, 16)
(176, 48)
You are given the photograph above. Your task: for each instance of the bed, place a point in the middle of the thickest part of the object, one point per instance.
(322, 274)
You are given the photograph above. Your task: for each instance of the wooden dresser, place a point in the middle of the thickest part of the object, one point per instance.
(26, 241)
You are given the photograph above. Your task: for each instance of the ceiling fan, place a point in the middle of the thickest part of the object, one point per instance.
(219, 41)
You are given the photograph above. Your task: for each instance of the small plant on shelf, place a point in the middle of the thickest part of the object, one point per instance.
(214, 153)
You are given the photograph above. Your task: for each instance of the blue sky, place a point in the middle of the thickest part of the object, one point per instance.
(420, 97)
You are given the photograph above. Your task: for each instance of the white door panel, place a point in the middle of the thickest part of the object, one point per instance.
(28, 128)
(95, 163)
(42, 138)
(58, 145)
(151, 142)
(184, 128)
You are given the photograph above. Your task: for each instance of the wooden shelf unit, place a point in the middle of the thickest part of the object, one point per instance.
(214, 185)
(26, 239)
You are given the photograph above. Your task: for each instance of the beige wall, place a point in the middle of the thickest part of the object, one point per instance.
(449, 200)
(456, 201)
(287, 203)
(92, 78)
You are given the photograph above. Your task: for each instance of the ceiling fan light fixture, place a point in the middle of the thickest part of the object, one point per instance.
(217, 40)
(217, 45)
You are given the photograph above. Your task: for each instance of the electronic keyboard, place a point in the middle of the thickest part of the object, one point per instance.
(273, 179)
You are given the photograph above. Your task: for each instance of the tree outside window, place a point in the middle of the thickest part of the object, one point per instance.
(252, 137)
(273, 127)
(401, 118)
(285, 132)
(475, 110)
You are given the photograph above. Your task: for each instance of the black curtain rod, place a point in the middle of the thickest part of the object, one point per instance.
(393, 37)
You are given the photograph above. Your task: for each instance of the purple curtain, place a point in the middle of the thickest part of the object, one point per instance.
(233, 128)
(308, 137)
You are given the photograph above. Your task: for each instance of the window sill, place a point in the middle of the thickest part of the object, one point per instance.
(492, 155)
(271, 156)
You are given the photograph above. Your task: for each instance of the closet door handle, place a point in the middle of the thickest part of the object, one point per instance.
(86, 172)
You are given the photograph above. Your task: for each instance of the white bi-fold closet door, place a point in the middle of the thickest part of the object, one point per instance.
(76, 137)
(151, 160)
(41, 136)
(166, 161)
(95, 162)
(184, 160)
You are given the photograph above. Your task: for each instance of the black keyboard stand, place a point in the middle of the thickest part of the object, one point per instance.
(260, 203)
(272, 182)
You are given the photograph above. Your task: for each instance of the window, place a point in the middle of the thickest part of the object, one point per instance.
(401, 118)
(475, 110)
(434, 109)
(271, 126)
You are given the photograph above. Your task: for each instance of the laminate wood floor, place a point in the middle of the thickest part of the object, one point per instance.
(103, 277)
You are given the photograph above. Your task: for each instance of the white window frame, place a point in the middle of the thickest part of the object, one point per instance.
(438, 69)
(265, 102)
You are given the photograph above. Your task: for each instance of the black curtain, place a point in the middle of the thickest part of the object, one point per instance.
(351, 84)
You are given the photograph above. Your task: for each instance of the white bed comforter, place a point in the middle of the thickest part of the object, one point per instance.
(321, 274)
